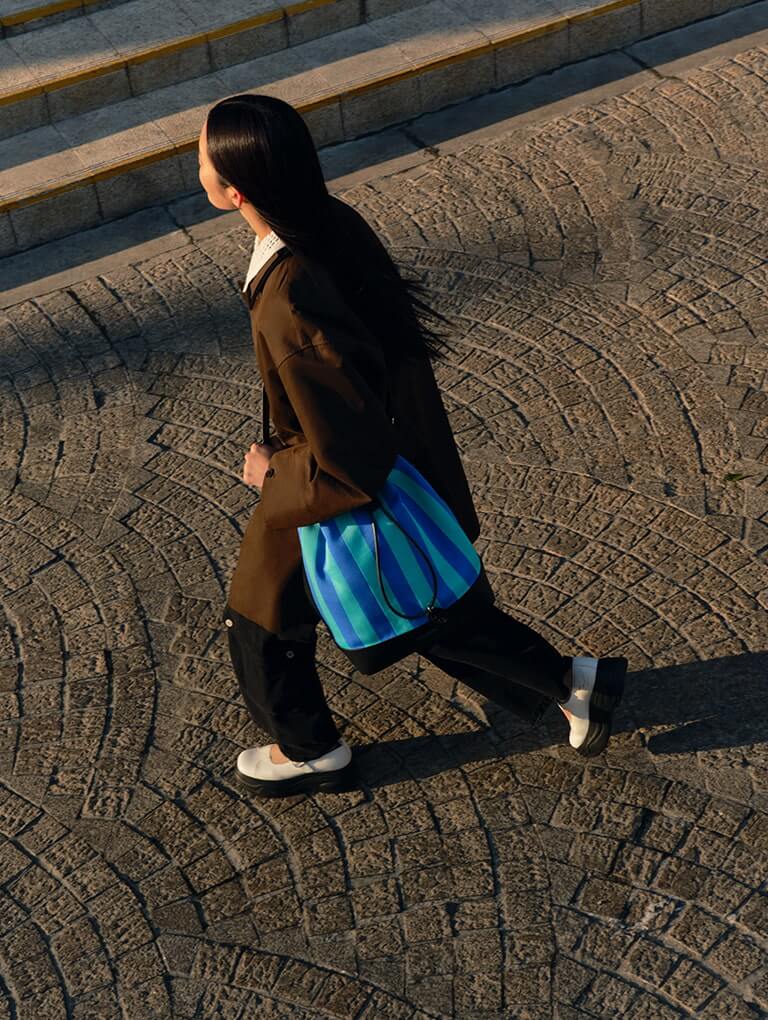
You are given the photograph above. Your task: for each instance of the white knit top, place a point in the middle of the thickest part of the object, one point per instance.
(263, 250)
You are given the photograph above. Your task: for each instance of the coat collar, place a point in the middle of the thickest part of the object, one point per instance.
(254, 287)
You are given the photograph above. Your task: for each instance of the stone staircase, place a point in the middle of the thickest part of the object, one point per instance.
(101, 103)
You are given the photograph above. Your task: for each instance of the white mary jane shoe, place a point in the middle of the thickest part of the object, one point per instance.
(332, 772)
(596, 690)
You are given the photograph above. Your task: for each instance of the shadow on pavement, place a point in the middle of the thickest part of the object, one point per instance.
(696, 706)
(703, 706)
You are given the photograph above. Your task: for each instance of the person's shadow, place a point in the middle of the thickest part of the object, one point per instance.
(682, 709)
(700, 706)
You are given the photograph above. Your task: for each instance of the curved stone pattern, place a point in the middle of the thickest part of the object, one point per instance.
(606, 382)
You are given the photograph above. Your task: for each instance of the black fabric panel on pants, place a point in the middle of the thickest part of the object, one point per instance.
(280, 685)
(505, 652)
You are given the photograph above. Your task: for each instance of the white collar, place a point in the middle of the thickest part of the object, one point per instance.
(263, 250)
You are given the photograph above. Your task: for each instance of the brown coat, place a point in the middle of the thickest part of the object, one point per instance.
(325, 378)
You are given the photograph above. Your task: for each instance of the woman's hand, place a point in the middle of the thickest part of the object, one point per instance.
(255, 464)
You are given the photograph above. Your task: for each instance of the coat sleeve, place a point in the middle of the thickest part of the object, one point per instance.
(349, 444)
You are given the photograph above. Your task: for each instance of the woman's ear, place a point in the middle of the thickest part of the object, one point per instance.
(237, 197)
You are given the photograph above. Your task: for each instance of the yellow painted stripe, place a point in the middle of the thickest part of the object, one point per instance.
(141, 56)
(56, 7)
(532, 33)
(125, 166)
(44, 11)
(305, 5)
(181, 148)
(596, 12)
(258, 19)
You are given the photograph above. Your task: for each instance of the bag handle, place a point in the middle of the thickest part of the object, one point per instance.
(265, 437)
(431, 610)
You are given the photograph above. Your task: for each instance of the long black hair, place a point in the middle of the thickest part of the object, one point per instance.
(262, 146)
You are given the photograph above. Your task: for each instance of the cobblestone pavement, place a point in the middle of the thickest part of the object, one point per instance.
(608, 273)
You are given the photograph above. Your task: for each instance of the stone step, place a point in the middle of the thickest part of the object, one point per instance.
(90, 169)
(19, 16)
(130, 49)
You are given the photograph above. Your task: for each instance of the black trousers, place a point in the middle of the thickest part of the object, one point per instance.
(501, 658)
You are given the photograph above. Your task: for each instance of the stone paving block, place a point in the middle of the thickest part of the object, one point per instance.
(297, 80)
(24, 115)
(383, 8)
(178, 113)
(387, 105)
(534, 56)
(456, 81)
(592, 35)
(429, 30)
(728, 1004)
(142, 25)
(323, 20)
(661, 17)
(190, 62)
(7, 238)
(74, 44)
(691, 985)
(41, 152)
(736, 957)
(254, 42)
(497, 19)
(109, 134)
(206, 17)
(14, 73)
(56, 217)
(88, 94)
(326, 124)
(351, 58)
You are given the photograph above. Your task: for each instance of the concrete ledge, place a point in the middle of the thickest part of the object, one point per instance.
(23, 15)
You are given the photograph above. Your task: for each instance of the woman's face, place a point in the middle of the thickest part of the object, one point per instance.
(219, 195)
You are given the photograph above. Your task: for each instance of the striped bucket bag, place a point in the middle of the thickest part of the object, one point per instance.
(387, 576)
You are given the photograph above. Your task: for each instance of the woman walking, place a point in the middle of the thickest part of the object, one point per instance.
(344, 356)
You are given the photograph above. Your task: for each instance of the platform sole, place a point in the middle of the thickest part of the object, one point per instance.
(607, 693)
(338, 781)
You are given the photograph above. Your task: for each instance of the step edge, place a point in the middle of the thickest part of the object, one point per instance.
(53, 84)
(42, 11)
(606, 8)
(156, 155)
(98, 70)
(180, 148)
(57, 6)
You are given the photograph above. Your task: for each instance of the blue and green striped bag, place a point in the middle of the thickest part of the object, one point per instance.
(389, 569)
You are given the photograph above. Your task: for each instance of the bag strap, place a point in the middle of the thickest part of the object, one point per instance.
(434, 612)
(265, 437)
(278, 258)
